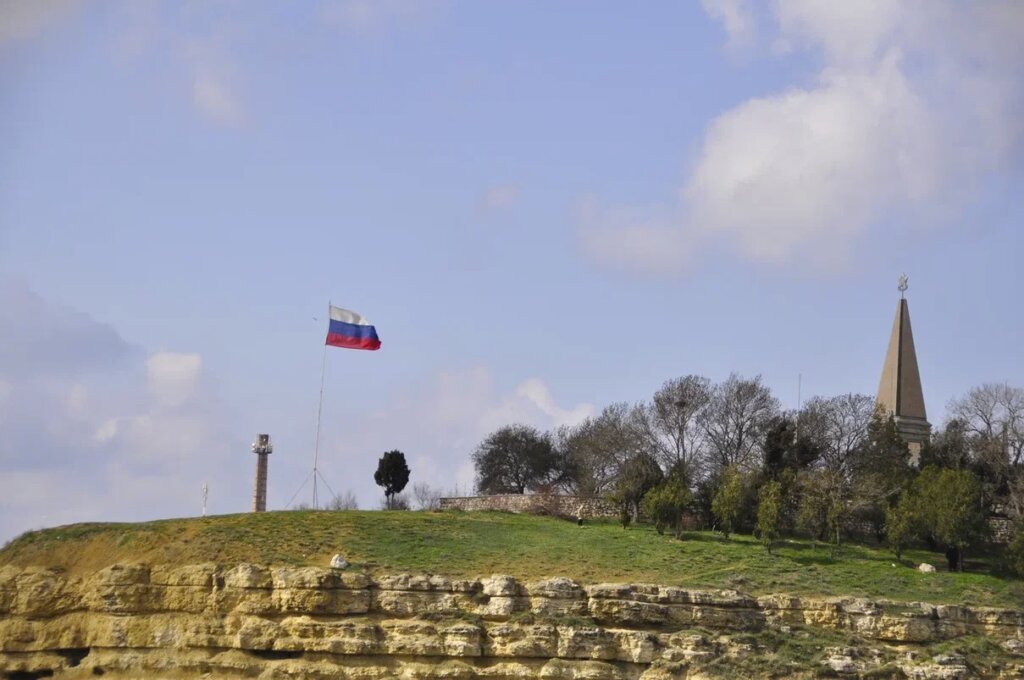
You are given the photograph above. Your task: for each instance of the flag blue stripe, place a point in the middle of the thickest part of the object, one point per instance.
(352, 330)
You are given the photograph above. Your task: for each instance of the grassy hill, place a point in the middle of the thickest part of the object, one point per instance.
(475, 544)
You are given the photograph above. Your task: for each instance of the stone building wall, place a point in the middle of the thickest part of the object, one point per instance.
(537, 504)
(1001, 528)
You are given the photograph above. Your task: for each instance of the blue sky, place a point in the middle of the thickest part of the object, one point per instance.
(543, 207)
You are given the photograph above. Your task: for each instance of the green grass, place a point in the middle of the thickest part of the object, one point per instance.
(475, 544)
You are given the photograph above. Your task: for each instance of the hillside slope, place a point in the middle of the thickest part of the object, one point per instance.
(469, 544)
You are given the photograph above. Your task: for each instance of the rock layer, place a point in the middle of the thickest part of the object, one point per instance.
(253, 621)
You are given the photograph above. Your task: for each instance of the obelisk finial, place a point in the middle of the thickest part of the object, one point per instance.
(903, 285)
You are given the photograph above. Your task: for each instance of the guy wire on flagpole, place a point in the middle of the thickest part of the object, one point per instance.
(319, 410)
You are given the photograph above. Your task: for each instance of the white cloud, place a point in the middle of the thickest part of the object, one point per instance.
(621, 237)
(737, 18)
(362, 16)
(500, 197)
(214, 85)
(27, 19)
(202, 38)
(173, 377)
(809, 168)
(850, 32)
(915, 102)
(536, 392)
(468, 401)
(212, 96)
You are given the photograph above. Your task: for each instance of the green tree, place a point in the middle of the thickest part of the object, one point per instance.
(881, 472)
(948, 448)
(1015, 548)
(785, 450)
(824, 505)
(728, 501)
(513, 459)
(901, 522)
(769, 513)
(957, 511)
(950, 511)
(637, 477)
(667, 503)
(392, 474)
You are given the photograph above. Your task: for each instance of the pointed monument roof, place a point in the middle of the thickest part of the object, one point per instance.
(899, 391)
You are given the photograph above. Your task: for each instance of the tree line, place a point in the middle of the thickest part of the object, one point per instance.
(727, 456)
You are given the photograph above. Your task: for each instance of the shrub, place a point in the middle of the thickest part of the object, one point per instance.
(1015, 548)
(901, 523)
(769, 513)
(728, 501)
(666, 504)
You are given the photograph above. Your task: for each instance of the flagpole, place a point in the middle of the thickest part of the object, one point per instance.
(319, 410)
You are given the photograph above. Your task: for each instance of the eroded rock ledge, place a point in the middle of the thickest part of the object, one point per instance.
(255, 621)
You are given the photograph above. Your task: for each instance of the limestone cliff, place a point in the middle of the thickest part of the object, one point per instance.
(129, 621)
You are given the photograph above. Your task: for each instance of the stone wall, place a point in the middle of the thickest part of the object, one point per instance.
(136, 621)
(537, 504)
(1001, 528)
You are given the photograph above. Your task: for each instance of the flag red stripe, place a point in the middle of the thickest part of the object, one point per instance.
(338, 340)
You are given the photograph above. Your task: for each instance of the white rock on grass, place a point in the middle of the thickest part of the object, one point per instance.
(338, 562)
(926, 568)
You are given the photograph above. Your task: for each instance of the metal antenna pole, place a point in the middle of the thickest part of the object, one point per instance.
(319, 411)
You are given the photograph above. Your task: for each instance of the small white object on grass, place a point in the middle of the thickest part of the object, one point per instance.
(338, 562)
(926, 568)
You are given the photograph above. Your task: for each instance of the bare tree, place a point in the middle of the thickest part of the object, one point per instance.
(426, 496)
(670, 421)
(994, 414)
(735, 421)
(345, 501)
(993, 418)
(595, 450)
(839, 425)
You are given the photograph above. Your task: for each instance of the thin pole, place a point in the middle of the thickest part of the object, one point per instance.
(799, 402)
(319, 410)
(297, 491)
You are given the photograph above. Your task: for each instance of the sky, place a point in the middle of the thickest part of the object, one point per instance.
(543, 207)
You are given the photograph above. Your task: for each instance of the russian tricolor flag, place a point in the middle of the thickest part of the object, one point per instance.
(351, 330)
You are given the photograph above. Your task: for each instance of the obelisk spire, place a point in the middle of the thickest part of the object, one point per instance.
(899, 391)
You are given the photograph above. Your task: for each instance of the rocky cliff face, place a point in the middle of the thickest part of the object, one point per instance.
(254, 621)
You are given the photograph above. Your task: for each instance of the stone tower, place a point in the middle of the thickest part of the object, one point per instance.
(262, 448)
(899, 391)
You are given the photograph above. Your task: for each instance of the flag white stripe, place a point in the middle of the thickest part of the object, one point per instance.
(348, 316)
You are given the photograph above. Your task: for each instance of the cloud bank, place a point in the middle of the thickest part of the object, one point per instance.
(24, 20)
(91, 427)
(914, 103)
(95, 428)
